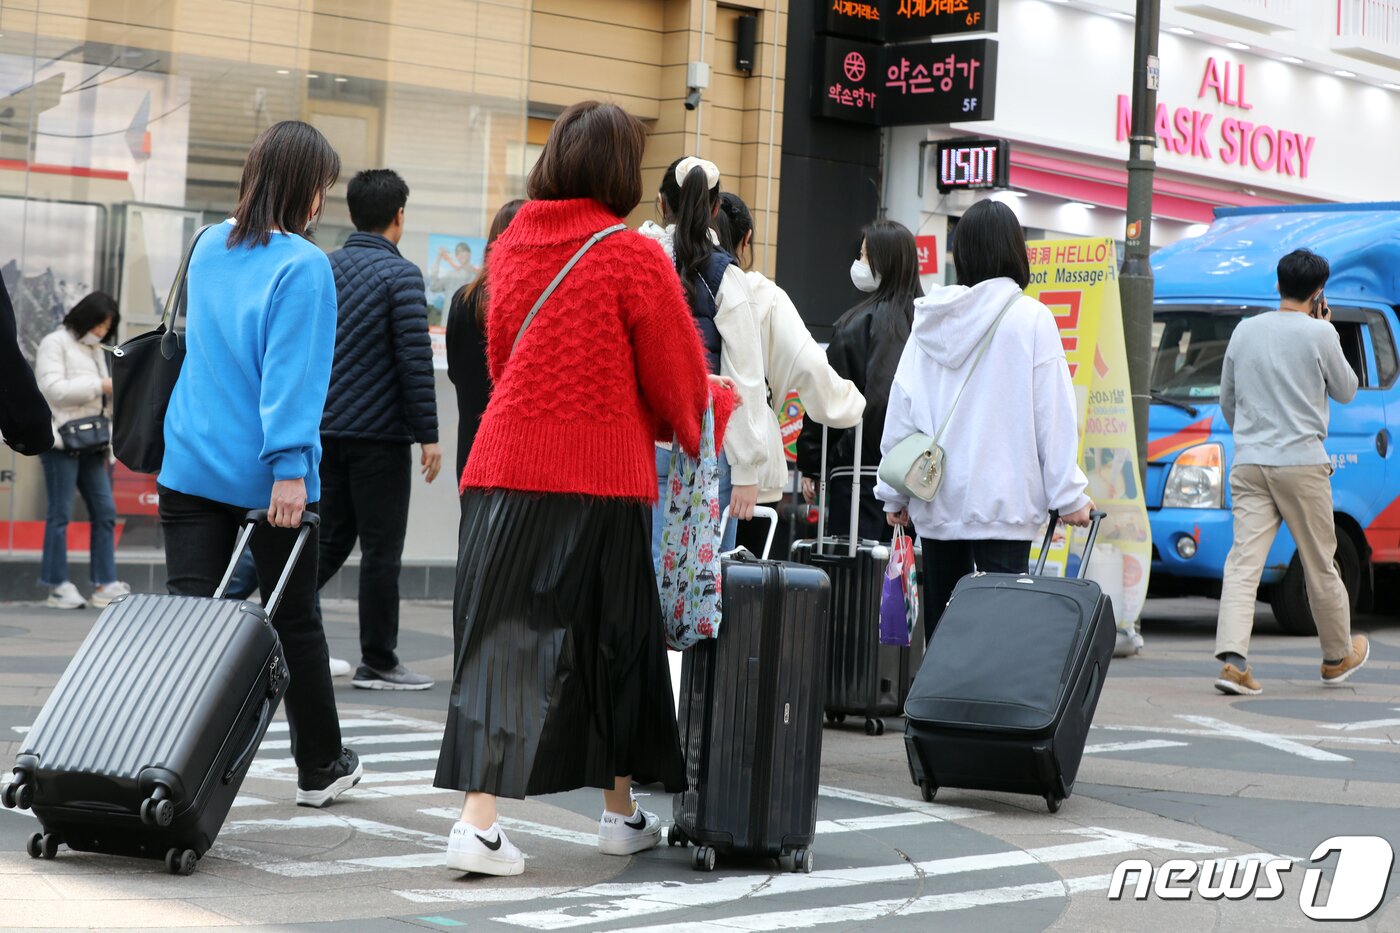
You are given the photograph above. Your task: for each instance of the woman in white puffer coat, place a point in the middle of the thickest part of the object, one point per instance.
(71, 370)
(792, 360)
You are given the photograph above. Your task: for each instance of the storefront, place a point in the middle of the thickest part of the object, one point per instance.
(1234, 126)
(123, 127)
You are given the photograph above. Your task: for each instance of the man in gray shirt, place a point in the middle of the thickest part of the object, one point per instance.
(1280, 369)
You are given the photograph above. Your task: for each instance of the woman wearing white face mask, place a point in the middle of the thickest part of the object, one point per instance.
(865, 347)
(71, 370)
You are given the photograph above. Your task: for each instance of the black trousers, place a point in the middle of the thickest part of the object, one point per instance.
(365, 487)
(200, 535)
(947, 562)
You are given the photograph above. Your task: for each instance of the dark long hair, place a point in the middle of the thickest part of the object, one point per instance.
(732, 224)
(689, 206)
(91, 311)
(473, 294)
(289, 165)
(594, 150)
(894, 257)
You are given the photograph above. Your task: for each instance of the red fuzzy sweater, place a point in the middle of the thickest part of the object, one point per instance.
(611, 363)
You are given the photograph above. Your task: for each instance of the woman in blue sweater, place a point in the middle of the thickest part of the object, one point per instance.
(243, 430)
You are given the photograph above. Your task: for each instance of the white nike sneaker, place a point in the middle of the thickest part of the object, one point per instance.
(339, 667)
(628, 835)
(105, 594)
(484, 853)
(65, 596)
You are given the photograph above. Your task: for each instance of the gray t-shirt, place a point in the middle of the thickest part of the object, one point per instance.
(1280, 368)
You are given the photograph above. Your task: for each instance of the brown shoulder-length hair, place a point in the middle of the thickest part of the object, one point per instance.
(289, 165)
(594, 150)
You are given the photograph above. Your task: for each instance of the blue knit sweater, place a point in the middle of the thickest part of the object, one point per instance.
(260, 335)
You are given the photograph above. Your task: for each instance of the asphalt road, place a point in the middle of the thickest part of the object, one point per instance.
(1174, 771)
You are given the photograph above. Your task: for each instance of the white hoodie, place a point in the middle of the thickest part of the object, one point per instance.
(741, 359)
(794, 362)
(1012, 445)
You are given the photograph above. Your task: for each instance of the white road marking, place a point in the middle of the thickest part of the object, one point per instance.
(388, 777)
(281, 727)
(1336, 739)
(278, 768)
(937, 810)
(1366, 724)
(1267, 739)
(391, 738)
(1132, 746)
(247, 800)
(865, 824)
(662, 897)
(466, 895)
(589, 840)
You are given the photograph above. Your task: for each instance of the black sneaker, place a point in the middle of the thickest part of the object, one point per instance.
(398, 678)
(319, 786)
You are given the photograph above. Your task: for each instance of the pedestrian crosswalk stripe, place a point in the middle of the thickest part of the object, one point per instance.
(392, 738)
(938, 811)
(1147, 745)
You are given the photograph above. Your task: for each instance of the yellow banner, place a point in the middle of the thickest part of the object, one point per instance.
(1078, 281)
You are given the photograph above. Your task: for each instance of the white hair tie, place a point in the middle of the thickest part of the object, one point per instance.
(691, 162)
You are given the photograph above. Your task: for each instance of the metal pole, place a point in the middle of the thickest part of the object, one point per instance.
(1135, 285)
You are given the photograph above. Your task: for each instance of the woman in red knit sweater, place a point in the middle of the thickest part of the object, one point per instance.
(561, 679)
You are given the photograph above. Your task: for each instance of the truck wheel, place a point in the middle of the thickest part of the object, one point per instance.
(1290, 595)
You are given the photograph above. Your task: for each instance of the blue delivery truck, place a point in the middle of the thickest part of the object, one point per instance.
(1204, 288)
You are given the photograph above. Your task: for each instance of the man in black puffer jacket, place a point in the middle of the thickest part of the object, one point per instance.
(381, 401)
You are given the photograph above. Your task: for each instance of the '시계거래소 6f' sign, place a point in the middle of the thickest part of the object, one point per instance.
(904, 20)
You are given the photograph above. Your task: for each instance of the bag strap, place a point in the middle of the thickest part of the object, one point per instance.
(568, 266)
(179, 294)
(981, 352)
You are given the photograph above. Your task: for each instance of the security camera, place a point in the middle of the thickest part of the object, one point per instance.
(692, 100)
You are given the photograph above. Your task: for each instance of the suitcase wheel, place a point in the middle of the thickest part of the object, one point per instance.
(704, 858)
(180, 863)
(802, 861)
(17, 795)
(874, 727)
(42, 845)
(675, 837)
(157, 812)
(836, 718)
(928, 790)
(1053, 802)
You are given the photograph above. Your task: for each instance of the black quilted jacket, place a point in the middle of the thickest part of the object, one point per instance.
(382, 383)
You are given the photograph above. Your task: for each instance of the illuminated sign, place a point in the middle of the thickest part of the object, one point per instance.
(901, 85)
(970, 164)
(904, 20)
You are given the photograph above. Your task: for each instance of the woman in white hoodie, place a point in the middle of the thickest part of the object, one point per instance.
(1012, 440)
(792, 360)
(71, 370)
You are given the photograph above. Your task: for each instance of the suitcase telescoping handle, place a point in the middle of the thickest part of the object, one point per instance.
(251, 521)
(759, 511)
(1095, 518)
(855, 493)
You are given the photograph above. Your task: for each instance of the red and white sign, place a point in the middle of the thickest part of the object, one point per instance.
(927, 247)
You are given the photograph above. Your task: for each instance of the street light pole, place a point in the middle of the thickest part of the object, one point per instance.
(1135, 284)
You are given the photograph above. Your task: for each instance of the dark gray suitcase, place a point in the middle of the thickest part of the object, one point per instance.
(863, 678)
(751, 718)
(143, 744)
(1009, 685)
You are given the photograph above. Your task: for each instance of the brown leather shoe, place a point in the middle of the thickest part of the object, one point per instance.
(1333, 674)
(1238, 682)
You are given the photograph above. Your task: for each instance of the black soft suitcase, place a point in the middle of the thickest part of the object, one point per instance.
(751, 718)
(864, 677)
(1010, 682)
(143, 744)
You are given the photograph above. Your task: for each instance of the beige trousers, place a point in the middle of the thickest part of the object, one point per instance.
(1302, 497)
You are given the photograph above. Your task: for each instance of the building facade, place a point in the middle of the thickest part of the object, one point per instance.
(124, 124)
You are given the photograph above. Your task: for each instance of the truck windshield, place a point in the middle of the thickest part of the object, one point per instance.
(1188, 351)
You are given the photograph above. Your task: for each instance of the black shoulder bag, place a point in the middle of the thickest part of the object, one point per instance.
(144, 371)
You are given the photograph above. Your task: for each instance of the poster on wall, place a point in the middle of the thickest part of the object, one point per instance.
(453, 261)
(1078, 281)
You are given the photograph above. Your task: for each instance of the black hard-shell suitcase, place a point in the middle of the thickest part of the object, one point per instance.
(864, 677)
(751, 717)
(1009, 685)
(143, 744)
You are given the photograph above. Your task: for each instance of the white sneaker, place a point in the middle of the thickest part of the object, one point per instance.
(339, 668)
(105, 594)
(485, 853)
(66, 596)
(628, 835)
(1128, 644)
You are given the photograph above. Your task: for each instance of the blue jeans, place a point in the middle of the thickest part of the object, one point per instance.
(663, 473)
(88, 474)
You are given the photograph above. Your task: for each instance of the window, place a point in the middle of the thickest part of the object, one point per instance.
(1384, 342)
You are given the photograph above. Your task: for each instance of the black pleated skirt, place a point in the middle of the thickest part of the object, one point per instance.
(561, 679)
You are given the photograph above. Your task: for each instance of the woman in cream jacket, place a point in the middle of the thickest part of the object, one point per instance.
(792, 360)
(71, 370)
